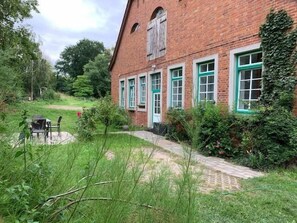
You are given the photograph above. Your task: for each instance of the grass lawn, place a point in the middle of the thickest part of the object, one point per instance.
(118, 194)
(69, 119)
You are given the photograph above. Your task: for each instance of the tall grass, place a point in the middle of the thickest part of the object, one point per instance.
(106, 180)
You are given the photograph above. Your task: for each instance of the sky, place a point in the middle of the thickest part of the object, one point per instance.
(61, 23)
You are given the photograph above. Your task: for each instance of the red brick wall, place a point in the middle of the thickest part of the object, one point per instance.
(195, 29)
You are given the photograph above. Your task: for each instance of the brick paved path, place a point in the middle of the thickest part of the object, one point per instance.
(216, 166)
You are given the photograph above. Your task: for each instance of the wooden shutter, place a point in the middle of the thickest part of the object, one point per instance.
(151, 30)
(162, 34)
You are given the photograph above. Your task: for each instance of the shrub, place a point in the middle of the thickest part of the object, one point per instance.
(273, 139)
(87, 124)
(177, 119)
(106, 113)
(207, 127)
(212, 130)
(50, 94)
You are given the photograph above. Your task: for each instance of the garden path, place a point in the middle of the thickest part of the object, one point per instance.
(211, 163)
(65, 107)
(216, 173)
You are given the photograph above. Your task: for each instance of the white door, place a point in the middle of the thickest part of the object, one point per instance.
(156, 100)
(156, 107)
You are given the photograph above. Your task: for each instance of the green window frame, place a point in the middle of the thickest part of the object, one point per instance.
(206, 81)
(131, 93)
(142, 90)
(248, 81)
(176, 88)
(122, 94)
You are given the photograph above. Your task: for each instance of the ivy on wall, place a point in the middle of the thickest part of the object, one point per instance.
(279, 45)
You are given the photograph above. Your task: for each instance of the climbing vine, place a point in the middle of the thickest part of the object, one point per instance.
(279, 45)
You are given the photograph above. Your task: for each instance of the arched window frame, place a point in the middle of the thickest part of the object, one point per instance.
(135, 27)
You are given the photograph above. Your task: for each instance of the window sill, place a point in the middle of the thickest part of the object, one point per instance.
(141, 106)
(131, 109)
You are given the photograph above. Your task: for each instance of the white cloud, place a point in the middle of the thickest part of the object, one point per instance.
(73, 15)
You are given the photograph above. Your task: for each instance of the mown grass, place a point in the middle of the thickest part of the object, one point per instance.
(272, 198)
(69, 120)
(73, 101)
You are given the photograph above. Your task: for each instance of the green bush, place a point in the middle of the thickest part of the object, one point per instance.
(213, 130)
(87, 124)
(273, 139)
(176, 120)
(207, 127)
(50, 94)
(105, 113)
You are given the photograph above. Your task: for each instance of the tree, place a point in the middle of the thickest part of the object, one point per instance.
(74, 58)
(82, 87)
(12, 13)
(9, 79)
(38, 77)
(97, 72)
(17, 46)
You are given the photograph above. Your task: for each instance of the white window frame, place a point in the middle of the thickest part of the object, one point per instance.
(120, 93)
(169, 83)
(128, 92)
(142, 107)
(196, 62)
(233, 71)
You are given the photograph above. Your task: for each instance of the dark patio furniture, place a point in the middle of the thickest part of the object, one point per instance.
(58, 126)
(39, 126)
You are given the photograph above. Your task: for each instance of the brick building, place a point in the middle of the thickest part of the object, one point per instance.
(174, 53)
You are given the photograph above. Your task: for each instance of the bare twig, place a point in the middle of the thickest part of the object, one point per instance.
(103, 199)
(79, 189)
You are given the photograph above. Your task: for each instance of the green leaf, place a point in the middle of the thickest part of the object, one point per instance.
(18, 154)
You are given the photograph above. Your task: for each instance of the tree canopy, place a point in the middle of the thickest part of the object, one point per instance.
(74, 58)
(22, 68)
(98, 73)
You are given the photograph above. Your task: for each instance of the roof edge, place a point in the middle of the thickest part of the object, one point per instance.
(119, 39)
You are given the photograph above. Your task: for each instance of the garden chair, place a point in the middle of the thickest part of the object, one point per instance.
(58, 126)
(39, 126)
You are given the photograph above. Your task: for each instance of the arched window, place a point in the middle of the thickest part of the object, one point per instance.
(158, 12)
(135, 27)
(156, 34)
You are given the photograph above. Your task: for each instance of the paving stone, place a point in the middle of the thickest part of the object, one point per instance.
(226, 170)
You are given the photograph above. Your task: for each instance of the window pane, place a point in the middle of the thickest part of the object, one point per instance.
(245, 85)
(203, 88)
(203, 80)
(210, 96)
(256, 84)
(245, 75)
(211, 79)
(203, 68)
(257, 73)
(244, 95)
(202, 96)
(177, 73)
(211, 67)
(243, 105)
(211, 87)
(257, 57)
(244, 60)
(256, 94)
